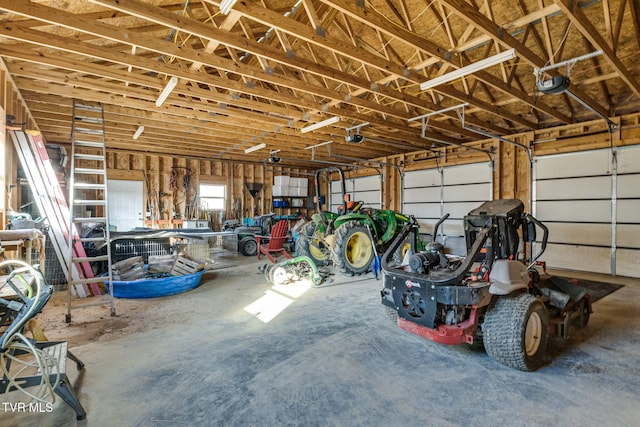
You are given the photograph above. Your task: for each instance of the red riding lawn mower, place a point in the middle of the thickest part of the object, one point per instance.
(489, 297)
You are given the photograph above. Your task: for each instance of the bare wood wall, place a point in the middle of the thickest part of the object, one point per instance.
(11, 103)
(172, 183)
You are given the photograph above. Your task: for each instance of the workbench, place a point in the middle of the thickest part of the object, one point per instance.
(22, 242)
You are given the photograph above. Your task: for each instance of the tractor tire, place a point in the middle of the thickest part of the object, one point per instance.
(353, 251)
(399, 254)
(515, 331)
(248, 246)
(309, 244)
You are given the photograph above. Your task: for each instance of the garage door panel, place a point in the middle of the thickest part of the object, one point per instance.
(422, 210)
(628, 262)
(371, 183)
(369, 198)
(336, 199)
(457, 211)
(465, 188)
(575, 188)
(574, 211)
(453, 228)
(629, 211)
(462, 193)
(574, 257)
(586, 234)
(422, 178)
(628, 186)
(628, 236)
(585, 226)
(587, 163)
(474, 173)
(412, 195)
(365, 189)
(629, 160)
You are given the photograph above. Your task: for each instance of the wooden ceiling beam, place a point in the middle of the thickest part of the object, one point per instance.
(474, 17)
(577, 17)
(372, 18)
(634, 8)
(140, 62)
(261, 14)
(15, 31)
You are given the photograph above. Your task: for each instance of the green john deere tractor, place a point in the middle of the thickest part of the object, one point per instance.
(353, 237)
(313, 238)
(353, 251)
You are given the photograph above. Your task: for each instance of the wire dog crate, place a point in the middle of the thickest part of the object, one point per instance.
(127, 248)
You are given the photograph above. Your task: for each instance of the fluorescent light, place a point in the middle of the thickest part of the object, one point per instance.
(226, 6)
(469, 69)
(138, 132)
(171, 84)
(255, 148)
(327, 122)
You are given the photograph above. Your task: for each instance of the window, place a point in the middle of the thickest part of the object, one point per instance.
(212, 196)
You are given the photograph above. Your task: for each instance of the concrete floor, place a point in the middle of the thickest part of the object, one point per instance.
(331, 358)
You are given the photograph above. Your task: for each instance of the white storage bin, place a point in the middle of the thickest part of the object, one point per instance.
(294, 182)
(280, 190)
(281, 180)
(303, 182)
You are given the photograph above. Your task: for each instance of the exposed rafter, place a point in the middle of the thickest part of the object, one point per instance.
(266, 69)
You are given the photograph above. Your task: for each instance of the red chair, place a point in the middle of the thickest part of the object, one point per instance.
(274, 243)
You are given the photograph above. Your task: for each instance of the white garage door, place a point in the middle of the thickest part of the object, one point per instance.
(366, 189)
(429, 194)
(590, 202)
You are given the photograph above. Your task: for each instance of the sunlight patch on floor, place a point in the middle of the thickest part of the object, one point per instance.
(275, 300)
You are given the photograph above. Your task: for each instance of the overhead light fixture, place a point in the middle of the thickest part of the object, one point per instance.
(469, 69)
(226, 6)
(315, 126)
(171, 84)
(255, 148)
(138, 132)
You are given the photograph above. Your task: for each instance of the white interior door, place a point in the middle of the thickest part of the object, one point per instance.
(126, 204)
